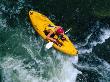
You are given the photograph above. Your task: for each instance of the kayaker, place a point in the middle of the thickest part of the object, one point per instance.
(55, 30)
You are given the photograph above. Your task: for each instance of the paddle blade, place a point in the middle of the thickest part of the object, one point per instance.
(49, 45)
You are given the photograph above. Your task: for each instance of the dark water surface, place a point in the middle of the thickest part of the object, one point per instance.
(23, 57)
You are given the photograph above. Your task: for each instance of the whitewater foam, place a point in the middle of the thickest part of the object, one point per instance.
(14, 70)
(103, 37)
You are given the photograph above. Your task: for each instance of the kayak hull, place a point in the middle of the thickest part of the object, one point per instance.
(40, 23)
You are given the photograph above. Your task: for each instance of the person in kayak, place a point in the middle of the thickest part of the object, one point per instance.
(55, 30)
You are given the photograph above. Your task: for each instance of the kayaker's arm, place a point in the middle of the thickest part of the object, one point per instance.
(49, 38)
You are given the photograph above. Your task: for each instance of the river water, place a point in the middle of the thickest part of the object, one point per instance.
(23, 57)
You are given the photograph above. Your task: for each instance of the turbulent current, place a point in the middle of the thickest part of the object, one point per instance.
(23, 57)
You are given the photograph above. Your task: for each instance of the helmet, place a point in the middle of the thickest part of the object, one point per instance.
(60, 30)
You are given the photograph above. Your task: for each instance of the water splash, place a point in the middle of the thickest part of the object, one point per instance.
(103, 37)
(15, 70)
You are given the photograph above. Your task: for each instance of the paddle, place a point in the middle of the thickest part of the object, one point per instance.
(68, 30)
(50, 44)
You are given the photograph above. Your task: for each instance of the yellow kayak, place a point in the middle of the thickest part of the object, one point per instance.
(40, 23)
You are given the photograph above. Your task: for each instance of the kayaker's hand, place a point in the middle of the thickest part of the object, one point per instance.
(55, 41)
(63, 38)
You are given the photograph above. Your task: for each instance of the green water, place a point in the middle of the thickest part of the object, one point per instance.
(23, 57)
